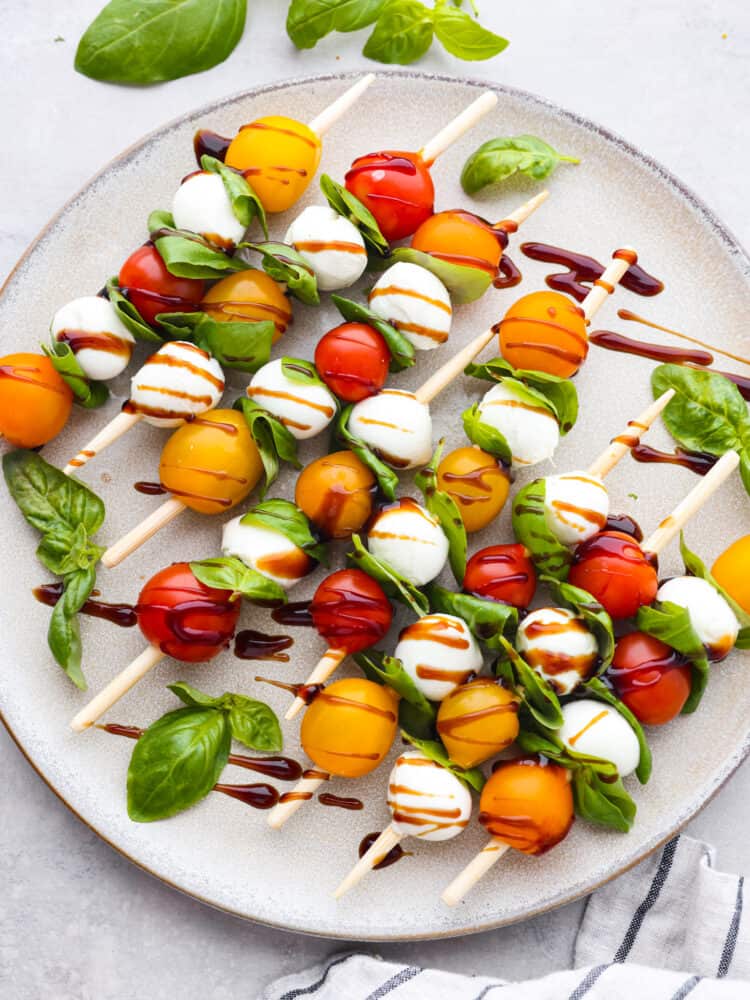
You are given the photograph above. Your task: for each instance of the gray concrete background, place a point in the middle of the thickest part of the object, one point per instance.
(76, 920)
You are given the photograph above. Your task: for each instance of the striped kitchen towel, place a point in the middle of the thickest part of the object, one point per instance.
(670, 928)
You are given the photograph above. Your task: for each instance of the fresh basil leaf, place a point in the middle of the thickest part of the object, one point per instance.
(695, 566)
(176, 762)
(64, 550)
(530, 527)
(596, 687)
(230, 573)
(403, 33)
(386, 477)
(435, 750)
(392, 582)
(288, 519)
(535, 692)
(48, 498)
(147, 41)
(63, 635)
(671, 624)
(465, 284)
(192, 697)
(490, 621)
(243, 346)
(287, 266)
(500, 158)
(275, 443)
(346, 204)
(595, 618)
(310, 20)
(251, 722)
(160, 218)
(129, 315)
(87, 393)
(402, 350)
(464, 37)
(301, 371)
(246, 204)
(187, 255)
(442, 506)
(556, 394)
(416, 714)
(486, 437)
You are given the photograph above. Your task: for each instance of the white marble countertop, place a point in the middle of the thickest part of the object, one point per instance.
(77, 921)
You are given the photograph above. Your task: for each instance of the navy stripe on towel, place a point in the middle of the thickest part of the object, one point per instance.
(731, 942)
(394, 982)
(588, 982)
(306, 991)
(652, 895)
(687, 987)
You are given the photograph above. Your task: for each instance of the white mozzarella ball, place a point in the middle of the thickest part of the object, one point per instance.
(267, 551)
(305, 409)
(416, 302)
(396, 426)
(201, 205)
(595, 729)
(576, 506)
(439, 653)
(532, 432)
(178, 382)
(713, 620)
(331, 245)
(427, 800)
(558, 646)
(101, 342)
(409, 539)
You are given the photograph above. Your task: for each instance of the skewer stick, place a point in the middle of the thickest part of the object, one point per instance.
(455, 129)
(513, 221)
(330, 115)
(603, 287)
(453, 368)
(382, 846)
(476, 868)
(116, 688)
(692, 503)
(303, 791)
(142, 532)
(106, 436)
(329, 662)
(621, 445)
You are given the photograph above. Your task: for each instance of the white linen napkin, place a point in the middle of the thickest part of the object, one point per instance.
(670, 928)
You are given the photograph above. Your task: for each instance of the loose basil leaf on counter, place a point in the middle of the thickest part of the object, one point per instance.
(246, 204)
(392, 582)
(63, 634)
(695, 566)
(243, 346)
(416, 714)
(129, 315)
(140, 43)
(176, 762)
(535, 692)
(87, 393)
(465, 284)
(671, 624)
(557, 394)
(187, 255)
(230, 573)
(304, 372)
(530, 527)
(402, 350)
(599, 690)
(500, 158)
(287, 518)
(274, 442)
(435, 750)
(487, 438)
(490, 621)
(403, 33)
(287, 266)
(351, 208)
(461, 35)
(310, 20)
(253, 723)
(595, 618)
(386, 477)
(442, 506)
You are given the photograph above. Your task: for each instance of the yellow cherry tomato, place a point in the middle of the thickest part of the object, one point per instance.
(477, 482)
(335, 492)
(249, 296)
(350, 726)
(211, 463)
(35, 401)
(477, 721)
(732, 571)
(460, 238)
(279, 157)
(545, 332)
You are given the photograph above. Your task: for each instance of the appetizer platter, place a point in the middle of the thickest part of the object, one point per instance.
(345, 527)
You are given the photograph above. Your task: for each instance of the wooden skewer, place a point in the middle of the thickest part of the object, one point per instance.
(106, 436)
(453, 368)
(456, 128)
(142, 532)
(382, 846)
(603, 287)
(116, 688)
(621, 445)
(290, 802)
(476, 868)
(330, 115)
(330, 661)
(513, 221)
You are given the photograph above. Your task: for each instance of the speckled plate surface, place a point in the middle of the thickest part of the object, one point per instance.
(220, 851)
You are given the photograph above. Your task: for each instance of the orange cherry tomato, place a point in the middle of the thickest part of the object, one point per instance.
(35, 401)
(477, 721)
(528, 804)
(732, 571)
(477, 482)
(350, 610)
(147, 283)
(250, 296)
(461, 238)
(353, 361)
(615, 570)
(502, 573)
(335, 492)
(350, 726)
(651, 678)
(545, 332)
(396, 187)
(212, 462)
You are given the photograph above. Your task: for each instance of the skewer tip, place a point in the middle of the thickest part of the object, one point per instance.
(295, 708)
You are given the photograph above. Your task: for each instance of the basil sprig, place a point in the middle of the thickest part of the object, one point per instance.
(590, 611)
(287, 518)
(500, 158)
(434, 749)
(442, 506)
(129, 315)
(392, 582)
(465, 284)
(287, 266)
(695, 566)
(402, 350)
(251, 722)
(490, 621)
(416, 714)
(596, 687)
(245, 347)
(188, 255)
(535, 692)
(275, 443)
(246, 205)
(66, 514)
(671, 624)
(485, 436)
(86, 391)
(386, 477)
(346, 204)
(530, 527)
(541, 389)
(230, 573)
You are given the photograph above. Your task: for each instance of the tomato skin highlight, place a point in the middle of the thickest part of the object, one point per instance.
(503, 573)
(336, 493)
(145, 280)
(353, 361)
(35, 401)
(396, 187)
(615, 570)
(650, 678)
(461, 237)
(350, 610)
(478, 484)
(544, 331)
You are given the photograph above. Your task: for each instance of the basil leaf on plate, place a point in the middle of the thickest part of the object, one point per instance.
(192, 697)
(230, 573)
(695, 566)
(86, 392)
(435, 750)
(465, 284)
(500, 158)
(416, 714)
(243, 346)
(64, 550)
(599, 690)
(287, 266)
(160, 218)
(403, 33)
(246, 204)
(490, 621)
(275, 443)
(402, 350)
(129, 315)
(530, 527)
(535, 692)
(392, 582)
(187, 255)
(442, 506)
(251, 722)
(148, 41)
(287, 518)
(310, 20)
(386, 477)
(461, 35)
(593, 615)
(556, 394)
(63, 634)
(485, 436)
(48, 498)
(350, 207)
(671, 624)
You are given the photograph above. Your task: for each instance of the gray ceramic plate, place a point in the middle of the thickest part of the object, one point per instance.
(221, 851)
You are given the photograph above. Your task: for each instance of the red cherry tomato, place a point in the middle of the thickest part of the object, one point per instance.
(350, 610)
(396, 187)
(353, 359)
(502, 573)
(153, 290)
(183, 617)
(651, 678)
(615, 570)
